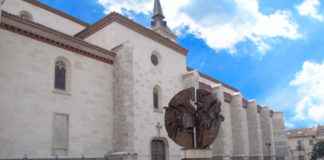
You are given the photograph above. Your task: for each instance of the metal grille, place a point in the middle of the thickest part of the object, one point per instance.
(60, 75)
(158, 150)
(156, 98)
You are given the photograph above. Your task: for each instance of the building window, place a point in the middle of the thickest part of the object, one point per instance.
(26, 15)
(155, 58)
(156, 97)
(158, 150)
(60, 134)
(300, 145)
(60, 75)
(311, 142)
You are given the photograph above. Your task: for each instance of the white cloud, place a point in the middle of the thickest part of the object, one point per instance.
(310, 90)
(302, 99)
(243, 21)
(289, 125)
(310, 8)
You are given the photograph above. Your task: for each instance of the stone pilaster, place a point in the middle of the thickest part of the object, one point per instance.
(222, 147)
(267, 133)
(255, 133)
(279, 136)
(191, 79)
(239, 128)
(123, 136)
(272, 148)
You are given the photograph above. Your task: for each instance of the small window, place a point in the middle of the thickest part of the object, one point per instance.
(26, 15)
(60, 75)
(156, 97)
(158, 150)
(300, 145)
(311, 142)
(299, 142)
(154, 59)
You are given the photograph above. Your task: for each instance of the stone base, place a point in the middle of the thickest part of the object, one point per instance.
(121, 156)
(240, 158)
(197, 154)
(55, 159)
(256, 158)
(218, 158)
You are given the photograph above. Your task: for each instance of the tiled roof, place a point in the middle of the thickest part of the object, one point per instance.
(302, 132)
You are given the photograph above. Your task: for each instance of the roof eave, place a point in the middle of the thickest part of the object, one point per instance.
(50, 36)
(116, 17)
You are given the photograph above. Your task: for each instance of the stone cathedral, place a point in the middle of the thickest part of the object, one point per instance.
(71, 90)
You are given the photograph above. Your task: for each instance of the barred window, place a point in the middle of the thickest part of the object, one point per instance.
(60, 75)
(156, 97)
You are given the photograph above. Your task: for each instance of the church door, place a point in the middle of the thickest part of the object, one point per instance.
(158, 150)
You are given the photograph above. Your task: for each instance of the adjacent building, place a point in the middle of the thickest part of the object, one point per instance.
(301, 142)
(69, 89)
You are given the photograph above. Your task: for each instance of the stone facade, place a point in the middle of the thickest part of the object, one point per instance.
(29, 100)
(222, 147)
(255, 131)
(267, 133)
(239, 128)
(280, 137)
(109, 103)
(301, 142)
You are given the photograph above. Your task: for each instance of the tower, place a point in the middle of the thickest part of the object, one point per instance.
(158, 24)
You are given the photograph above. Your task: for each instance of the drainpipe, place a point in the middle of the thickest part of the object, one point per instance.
(1, 4)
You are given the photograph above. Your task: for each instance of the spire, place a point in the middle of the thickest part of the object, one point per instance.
(158, 23)
(157, 12)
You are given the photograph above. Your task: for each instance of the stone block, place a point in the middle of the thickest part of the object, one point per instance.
(197, 154)
(121, 156)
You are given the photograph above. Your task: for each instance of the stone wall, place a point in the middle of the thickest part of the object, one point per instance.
(168, 75)
(43, 17)
(279, 136)
(29, 101)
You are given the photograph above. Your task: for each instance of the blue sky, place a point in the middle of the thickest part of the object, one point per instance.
(271, 50)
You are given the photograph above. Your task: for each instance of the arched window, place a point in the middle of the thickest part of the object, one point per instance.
(158, 149)
(26, 15)
(156, 97)
(60, 81)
